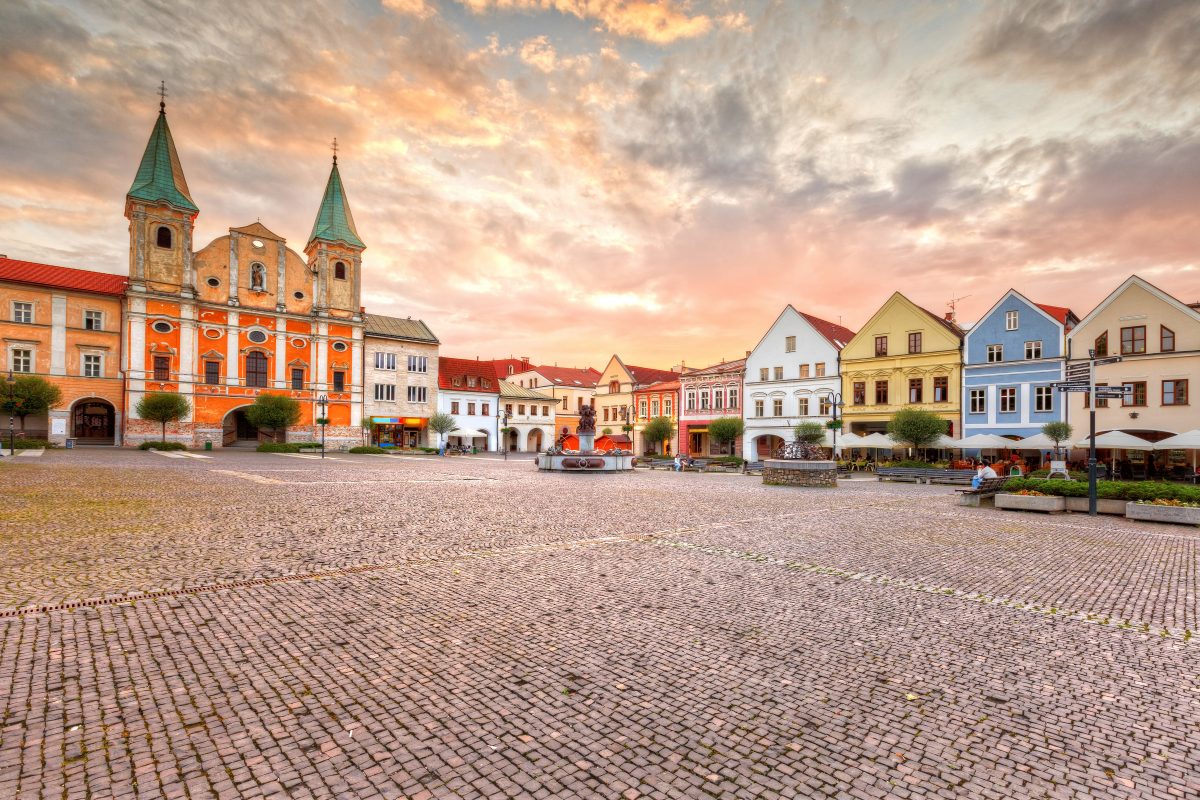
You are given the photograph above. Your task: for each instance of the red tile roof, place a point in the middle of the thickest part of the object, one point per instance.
(80, 280)
(661, 386)
(569, 376)
(948, 324)
(717, 369)
(648, 375)
(837, 335)
(463, 368)
(1058, 312)
(517, 364)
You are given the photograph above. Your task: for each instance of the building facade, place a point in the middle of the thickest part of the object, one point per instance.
(790, 376)
(245, 315)
(469, 391)
(1158, 338)
(400, 369)
(614, 398)
(571, 389)
(1011, 359)
(530, 416)
(64, 325)
(657, 400)
(707, 394)
(905, 356)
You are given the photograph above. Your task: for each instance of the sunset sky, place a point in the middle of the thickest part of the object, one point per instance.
(565, 179)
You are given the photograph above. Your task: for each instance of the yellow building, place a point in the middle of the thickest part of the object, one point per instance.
(904, 356)
(614, 397)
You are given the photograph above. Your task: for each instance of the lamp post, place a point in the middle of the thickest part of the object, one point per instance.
(836, 404)
(12, 410)
(502, 415)
(323, 401)
(626, 426)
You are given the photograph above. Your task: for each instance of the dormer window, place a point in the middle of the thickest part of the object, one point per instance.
(471, 381)
(339, 271)
(457, 381)
(164, 237)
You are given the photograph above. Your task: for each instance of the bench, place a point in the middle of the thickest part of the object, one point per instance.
(722, 466)
(988, 487)
(961, 477)
(913, 474)
(752, 468)
(659, 463)
(697, 465)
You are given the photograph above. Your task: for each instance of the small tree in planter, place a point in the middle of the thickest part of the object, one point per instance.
(1057, 432)
(658, 430)
(163, 407)
(725, 431)
(441, 424)
(29, 394)
(274, 412)
(916, 427)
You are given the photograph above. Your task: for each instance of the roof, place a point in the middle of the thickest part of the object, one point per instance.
(950, 326)
(80, 280)
(717, 369)
(463, 368)
(517, 364)
(616, 438)
(569, 376)
(258, 230)
(837, 335)
(334, 221)
(159, 177)
(1058, 312)
(396, 328)
(648, 375)
(661, 386)
(510, 389)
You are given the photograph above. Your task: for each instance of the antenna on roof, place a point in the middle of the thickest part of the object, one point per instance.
(953, 306)
(162, 97)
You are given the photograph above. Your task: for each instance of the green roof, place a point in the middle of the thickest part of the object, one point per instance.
(159, 177)
(334, 222)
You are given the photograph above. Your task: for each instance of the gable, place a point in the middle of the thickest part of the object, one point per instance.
(1033, 324)
(895, 319)
(1136, 302)
(811, 345)
(615, 371)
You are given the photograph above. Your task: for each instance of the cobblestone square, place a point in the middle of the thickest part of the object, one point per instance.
(262, 625)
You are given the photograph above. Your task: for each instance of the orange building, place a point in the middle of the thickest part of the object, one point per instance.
(243, 316)
(65, 326)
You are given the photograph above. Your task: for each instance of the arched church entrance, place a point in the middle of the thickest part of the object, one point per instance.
(93, 421)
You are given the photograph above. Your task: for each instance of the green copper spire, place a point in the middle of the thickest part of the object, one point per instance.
(334, 222)
(159, 177)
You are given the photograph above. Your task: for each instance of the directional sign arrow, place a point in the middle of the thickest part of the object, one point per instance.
(1073, 388)
(1109, 360)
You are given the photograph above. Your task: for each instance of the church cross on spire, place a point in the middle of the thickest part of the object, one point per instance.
(334, 148)
(162, 97)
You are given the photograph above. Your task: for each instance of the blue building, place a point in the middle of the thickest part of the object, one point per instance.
(1011, 358)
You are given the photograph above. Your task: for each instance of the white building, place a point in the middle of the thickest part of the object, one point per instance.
(469, 392)
(791, 377)
(530, 418)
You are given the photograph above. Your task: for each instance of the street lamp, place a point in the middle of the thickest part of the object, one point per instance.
(502, 415)
(12, 410)
(322, 420)
(835, 401)
(625, 426)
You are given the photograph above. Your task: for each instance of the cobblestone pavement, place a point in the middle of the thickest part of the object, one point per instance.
(262, 626)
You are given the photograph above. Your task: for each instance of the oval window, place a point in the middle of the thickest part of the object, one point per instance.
(258, 337)
(298, 295)
(212, 333)
(256, 244)
(162, 327)
(213, 282)
(339, 346)
(299, 343)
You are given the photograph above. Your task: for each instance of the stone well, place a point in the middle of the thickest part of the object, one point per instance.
(791, 472)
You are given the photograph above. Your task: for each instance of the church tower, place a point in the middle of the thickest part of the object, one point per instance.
(161, 215)
(334, 253)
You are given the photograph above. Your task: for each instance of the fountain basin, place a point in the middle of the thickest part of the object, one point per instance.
(585, 461)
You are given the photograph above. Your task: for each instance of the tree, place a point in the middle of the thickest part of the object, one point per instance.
(916, 427)
(163, 407)
(809, 432)
(1058, 432)
(441, 424)
(29, 394)
(657, 431)
(607, 432)
(725, 431)
(274, 412)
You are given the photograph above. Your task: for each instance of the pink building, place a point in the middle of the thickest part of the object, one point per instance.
(705, 395)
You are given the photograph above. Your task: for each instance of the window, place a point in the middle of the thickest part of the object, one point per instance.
(1033, 350)
(545, 411)
(93, 320)
(416, 394)
(915, 386)
(654, 408)
(804, 370)
(298, 295)
(1101, 345)
(789, 344)
(418, 364)
(23, 312)
(691, 401)
(471, 380)
(1100, 403)
(470, 409)
(718, 398)
(521, 409)
(1175, 393)
(339, 347)
(162, 368)
(21, 360)
(1010, 321)
(508, 409)
(385, 360)
(212, 373)
(256, 336)
(297, 378)
(91, 366)
(820, 369)
(779, 373)
(385, 392)
(606, 413)
(485, 409)
(453, 406)
(163, 237)
(881, 345)
(802, 406)
(979, 401)
(859, 396)
(213, 282)
(704, 400)
(669, 407)
(1008, 400)
(1135, 394)
(733, 398)
(339, 271)
(914, 342)
(614, 387)
(941, 389)
(881, 393)
(764, 374)
(1043, 398)
(1166, 338)
(995, 352)
(826, 405)
(643, 408)
(339, 381)
(1133, 340)
(256, 369)
(777, 406)
(758, 408)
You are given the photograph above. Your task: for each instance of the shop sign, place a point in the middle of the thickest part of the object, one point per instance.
(385, 420)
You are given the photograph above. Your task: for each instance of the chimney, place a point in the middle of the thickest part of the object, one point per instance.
(949, 316)
(747, 354)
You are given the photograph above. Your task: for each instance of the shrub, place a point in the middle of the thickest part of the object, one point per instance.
(162, 446)
(1109, 490)
(658, 430)
(274, 412)
(163, 407)
(916, 427)
(369, 448)
(278, 447)
(726, 430)
(428, 449)
(736, 461)
(23, 443)
(29, 394)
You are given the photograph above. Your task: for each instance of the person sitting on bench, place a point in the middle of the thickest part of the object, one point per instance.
(985, 472)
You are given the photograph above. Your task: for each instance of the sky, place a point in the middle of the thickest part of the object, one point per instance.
(566, 179)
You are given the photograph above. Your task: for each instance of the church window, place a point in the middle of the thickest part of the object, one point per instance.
(256, 369)
(339, 271)
(339, 381)
(298, 295)
(339, 346)
(162, 368)
(164, 236)
(213, 282)
(162, 326)
(257, 244)
(257, 336)
(212, 373)
(258, 277)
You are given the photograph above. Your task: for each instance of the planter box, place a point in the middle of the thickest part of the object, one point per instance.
(1103, 506)
(1179, 515)
(1021, 502)
(789, 472)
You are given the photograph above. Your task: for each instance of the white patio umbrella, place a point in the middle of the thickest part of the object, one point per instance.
(467, 434)
(1118, 440)
(983, 441)
(945, 442)
(877, 441)
(1040, 441)
(1189, 440)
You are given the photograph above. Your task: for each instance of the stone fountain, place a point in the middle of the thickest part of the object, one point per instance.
(800, 464)
(587, 458)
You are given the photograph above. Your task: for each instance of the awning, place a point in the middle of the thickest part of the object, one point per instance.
(619, 438)
(467, 434)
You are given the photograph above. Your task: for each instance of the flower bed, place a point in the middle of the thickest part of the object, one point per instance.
(1178, 514)
(1109, 490)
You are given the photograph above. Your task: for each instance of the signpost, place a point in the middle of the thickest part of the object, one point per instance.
(1081, 377)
